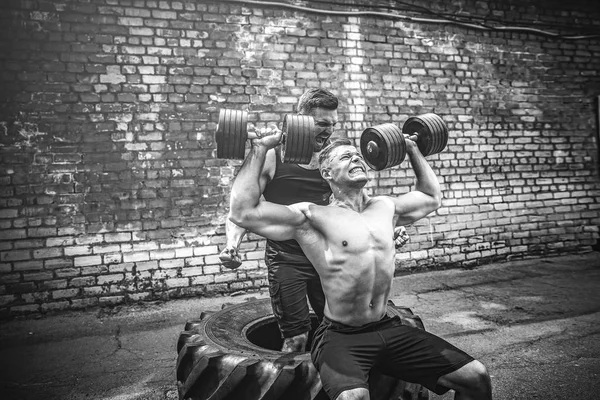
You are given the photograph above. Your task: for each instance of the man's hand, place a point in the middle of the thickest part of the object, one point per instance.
(230, 257)
(400, 237)
(411, 144)
(269, 136)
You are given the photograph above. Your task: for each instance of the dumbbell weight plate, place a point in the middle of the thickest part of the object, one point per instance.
(299, 139)
(382, 146)
(423, 129)
(232, 133)
(437, 129)
(432, 132)
(438, 138)
(396, 144)
(373, 148)
(429, 142)
(443, 137)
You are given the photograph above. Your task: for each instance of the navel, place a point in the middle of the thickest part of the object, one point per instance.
(371, 305)
(344, 243)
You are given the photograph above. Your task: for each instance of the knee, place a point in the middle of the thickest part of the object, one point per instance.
(479, 371)
(354, 394)
(478, 376)
(471, 380)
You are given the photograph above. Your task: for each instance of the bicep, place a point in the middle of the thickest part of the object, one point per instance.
(412, 206)
(275, 221)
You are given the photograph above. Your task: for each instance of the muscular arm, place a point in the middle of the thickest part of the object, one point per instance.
(246, 210)
(230, 256)
(235, 233)
(426, 197)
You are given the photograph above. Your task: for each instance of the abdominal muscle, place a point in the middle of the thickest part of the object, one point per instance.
(357, 290)
(354, 256)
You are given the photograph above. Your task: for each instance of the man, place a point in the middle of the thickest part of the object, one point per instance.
(350, 244)
(292, 278)
(291, 275)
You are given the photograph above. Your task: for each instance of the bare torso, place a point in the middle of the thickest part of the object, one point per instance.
(353, 253)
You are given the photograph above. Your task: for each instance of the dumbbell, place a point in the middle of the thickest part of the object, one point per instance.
(297, 143)
(384, 146)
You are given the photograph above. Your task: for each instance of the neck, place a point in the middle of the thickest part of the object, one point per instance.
(351, 198)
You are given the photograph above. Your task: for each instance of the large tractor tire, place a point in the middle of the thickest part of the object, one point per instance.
(233, 354)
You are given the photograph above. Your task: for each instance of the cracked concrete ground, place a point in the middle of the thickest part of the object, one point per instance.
(534, 323)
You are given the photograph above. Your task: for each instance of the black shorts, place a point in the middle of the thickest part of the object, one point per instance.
(344, 355)
(291, 279)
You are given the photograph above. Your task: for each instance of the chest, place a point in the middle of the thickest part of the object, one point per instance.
(358, 232)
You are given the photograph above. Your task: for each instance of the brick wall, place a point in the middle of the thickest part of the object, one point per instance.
(110, 189)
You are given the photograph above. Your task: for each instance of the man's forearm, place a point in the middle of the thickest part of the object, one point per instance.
(246, 190)
(427, 181)
(234, 234)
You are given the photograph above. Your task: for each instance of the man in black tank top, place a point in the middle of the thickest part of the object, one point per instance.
(292, 278)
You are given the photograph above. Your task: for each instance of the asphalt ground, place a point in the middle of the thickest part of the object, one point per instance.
(534, 323)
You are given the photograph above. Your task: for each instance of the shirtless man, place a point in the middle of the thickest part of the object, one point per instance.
(292, 278)
(350, 244)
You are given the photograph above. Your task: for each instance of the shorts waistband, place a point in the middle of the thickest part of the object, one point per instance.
(338, 326)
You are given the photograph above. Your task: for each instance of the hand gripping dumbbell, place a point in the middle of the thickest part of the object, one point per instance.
(297, 142)
(384, 146)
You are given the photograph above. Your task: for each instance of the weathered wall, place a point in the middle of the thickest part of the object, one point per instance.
(110, 189)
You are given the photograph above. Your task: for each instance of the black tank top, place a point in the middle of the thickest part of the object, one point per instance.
(294, 184)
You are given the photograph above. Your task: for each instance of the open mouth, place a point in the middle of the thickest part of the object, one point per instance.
(320, 141)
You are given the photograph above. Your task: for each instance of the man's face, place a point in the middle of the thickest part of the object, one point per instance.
(325, 122)
(346, 166)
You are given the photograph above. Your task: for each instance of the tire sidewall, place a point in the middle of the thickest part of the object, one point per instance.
(228, 329)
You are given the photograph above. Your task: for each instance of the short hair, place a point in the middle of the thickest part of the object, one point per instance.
(337, 142)
(316, 98)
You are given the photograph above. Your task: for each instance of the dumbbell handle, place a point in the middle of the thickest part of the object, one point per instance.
(252, 133)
